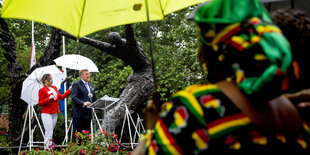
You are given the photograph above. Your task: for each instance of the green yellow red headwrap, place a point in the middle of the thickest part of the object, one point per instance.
(244, 28)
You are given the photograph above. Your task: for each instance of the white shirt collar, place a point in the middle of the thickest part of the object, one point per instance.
(83, 81)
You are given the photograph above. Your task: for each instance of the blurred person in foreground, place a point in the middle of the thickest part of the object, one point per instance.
(295, 25)
(83, 95)
(49, 101)
(242, 109)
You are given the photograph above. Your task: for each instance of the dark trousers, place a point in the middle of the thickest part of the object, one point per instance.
(80, 124)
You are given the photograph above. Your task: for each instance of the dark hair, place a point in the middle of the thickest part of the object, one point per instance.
(295, 25)
(45, 77)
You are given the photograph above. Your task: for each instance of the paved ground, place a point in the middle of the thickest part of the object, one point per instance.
(299, 4)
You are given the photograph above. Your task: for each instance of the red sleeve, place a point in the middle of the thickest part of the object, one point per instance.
(43, 98)
(63, 96)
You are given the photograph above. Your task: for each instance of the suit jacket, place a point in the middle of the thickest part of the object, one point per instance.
(50, 106)
(79, 96)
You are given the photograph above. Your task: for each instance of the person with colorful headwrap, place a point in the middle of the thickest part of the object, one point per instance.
(242, 109)
(295, 25)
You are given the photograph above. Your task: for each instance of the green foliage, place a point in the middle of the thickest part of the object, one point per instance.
(5, 141)
(112, 78)
(175, 46)
(23, 56)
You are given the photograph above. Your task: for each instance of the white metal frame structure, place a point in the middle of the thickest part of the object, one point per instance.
(139, 126)
(29, 115)
(128, 118)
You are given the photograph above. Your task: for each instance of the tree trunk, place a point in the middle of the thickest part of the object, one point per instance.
(139, 84)
(17, 106)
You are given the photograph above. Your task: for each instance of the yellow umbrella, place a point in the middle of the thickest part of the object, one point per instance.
(82, 17)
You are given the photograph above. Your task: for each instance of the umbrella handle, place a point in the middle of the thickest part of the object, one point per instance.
(66, 80)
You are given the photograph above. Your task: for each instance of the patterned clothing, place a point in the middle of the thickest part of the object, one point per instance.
(202, 120)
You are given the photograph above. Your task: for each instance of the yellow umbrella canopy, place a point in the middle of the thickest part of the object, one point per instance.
(82, 17)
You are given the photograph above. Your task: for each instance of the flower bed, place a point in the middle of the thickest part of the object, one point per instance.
(104, 143)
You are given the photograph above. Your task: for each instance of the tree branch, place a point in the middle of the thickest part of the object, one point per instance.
(91, 42)
(9, 45)
(128, 51)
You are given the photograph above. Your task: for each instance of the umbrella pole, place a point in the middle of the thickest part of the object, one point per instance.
(65, 89)
(30, 132)
(269, 6)
(292, 4)
(151, 45)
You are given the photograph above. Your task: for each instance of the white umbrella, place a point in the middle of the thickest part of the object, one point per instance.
(76, 62)
(32, 84)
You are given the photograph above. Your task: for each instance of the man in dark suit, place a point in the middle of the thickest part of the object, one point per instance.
(82, 94)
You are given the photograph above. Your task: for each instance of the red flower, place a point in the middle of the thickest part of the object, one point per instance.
(85, 131)
(76, 134)
(81, 152)
(37, 149)
(3, 132)
(88, 137)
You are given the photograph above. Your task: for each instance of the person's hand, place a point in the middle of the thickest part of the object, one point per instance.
(303, 94)
(303, 105)
(301, 97)
(151, 111)
(150, 115)
(52, 97)
(87, 103)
